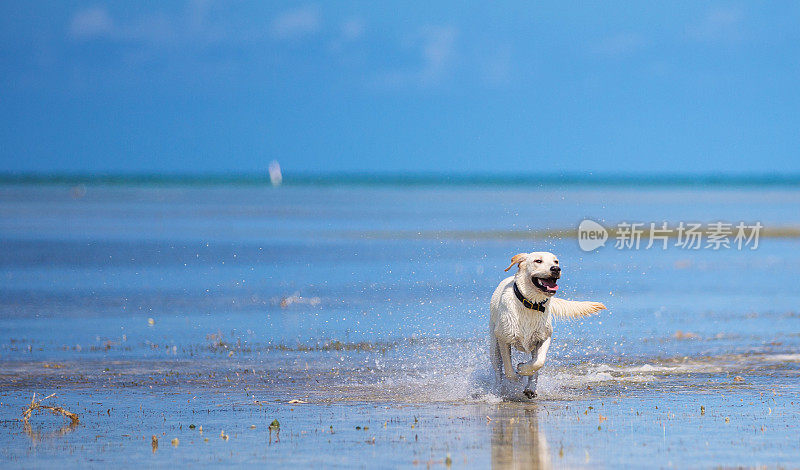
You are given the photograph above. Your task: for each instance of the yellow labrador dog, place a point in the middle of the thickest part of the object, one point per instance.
(522, 310)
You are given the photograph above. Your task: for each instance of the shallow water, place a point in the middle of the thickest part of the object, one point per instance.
(147, 309)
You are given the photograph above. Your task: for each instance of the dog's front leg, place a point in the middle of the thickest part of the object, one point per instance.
(538, 357)
(530, 389)
(508, 369)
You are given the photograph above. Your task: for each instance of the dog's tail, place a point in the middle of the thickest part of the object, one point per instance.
(569, 309)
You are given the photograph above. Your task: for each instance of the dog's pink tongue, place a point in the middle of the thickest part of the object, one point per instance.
(551, 285)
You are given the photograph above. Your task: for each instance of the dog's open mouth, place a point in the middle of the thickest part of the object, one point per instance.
(546, 284)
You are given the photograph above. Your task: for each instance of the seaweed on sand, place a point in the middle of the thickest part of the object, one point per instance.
(37, 405)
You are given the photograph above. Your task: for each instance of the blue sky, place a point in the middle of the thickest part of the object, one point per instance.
(203, 86)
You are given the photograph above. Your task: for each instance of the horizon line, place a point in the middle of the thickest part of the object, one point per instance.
(396, 178)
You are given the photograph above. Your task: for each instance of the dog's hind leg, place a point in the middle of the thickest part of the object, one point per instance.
(497, 361)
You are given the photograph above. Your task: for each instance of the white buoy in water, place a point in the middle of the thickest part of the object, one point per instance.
(275, 176)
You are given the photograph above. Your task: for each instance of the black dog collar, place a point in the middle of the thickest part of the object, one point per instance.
(531, 305)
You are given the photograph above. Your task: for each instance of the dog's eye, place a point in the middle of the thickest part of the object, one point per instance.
(556, 261)
(537, 261)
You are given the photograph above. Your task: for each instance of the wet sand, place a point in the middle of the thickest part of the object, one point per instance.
(693, 412)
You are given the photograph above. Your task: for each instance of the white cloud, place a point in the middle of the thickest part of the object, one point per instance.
(352, 29)
(90, 23)
(194, 25)
(496, 67)
(619, 45)
(296, 23)
(198, 14)
(719, 25)
(438, 50)
(436, 46)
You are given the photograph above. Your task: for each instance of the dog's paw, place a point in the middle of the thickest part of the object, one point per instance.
(528, 368)
(524, 368)
(512, 376)
(529, 393)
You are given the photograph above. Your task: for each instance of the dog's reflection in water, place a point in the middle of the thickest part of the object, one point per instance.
(517, 440)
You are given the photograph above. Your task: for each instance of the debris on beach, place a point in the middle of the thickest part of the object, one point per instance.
(296, 401)
(154, 443)
(151, 322)
(37, 405)
(683, 264)
(685, 335)
(738, 379)
(702, 410)
(77, 191)
(276, 426)
(175, 442)
(296, 299)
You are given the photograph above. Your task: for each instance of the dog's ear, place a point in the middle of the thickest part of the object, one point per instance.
(517, 259)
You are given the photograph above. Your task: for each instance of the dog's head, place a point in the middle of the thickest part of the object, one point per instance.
(538, 272)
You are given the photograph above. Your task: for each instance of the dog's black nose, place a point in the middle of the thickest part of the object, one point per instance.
(555, 269)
